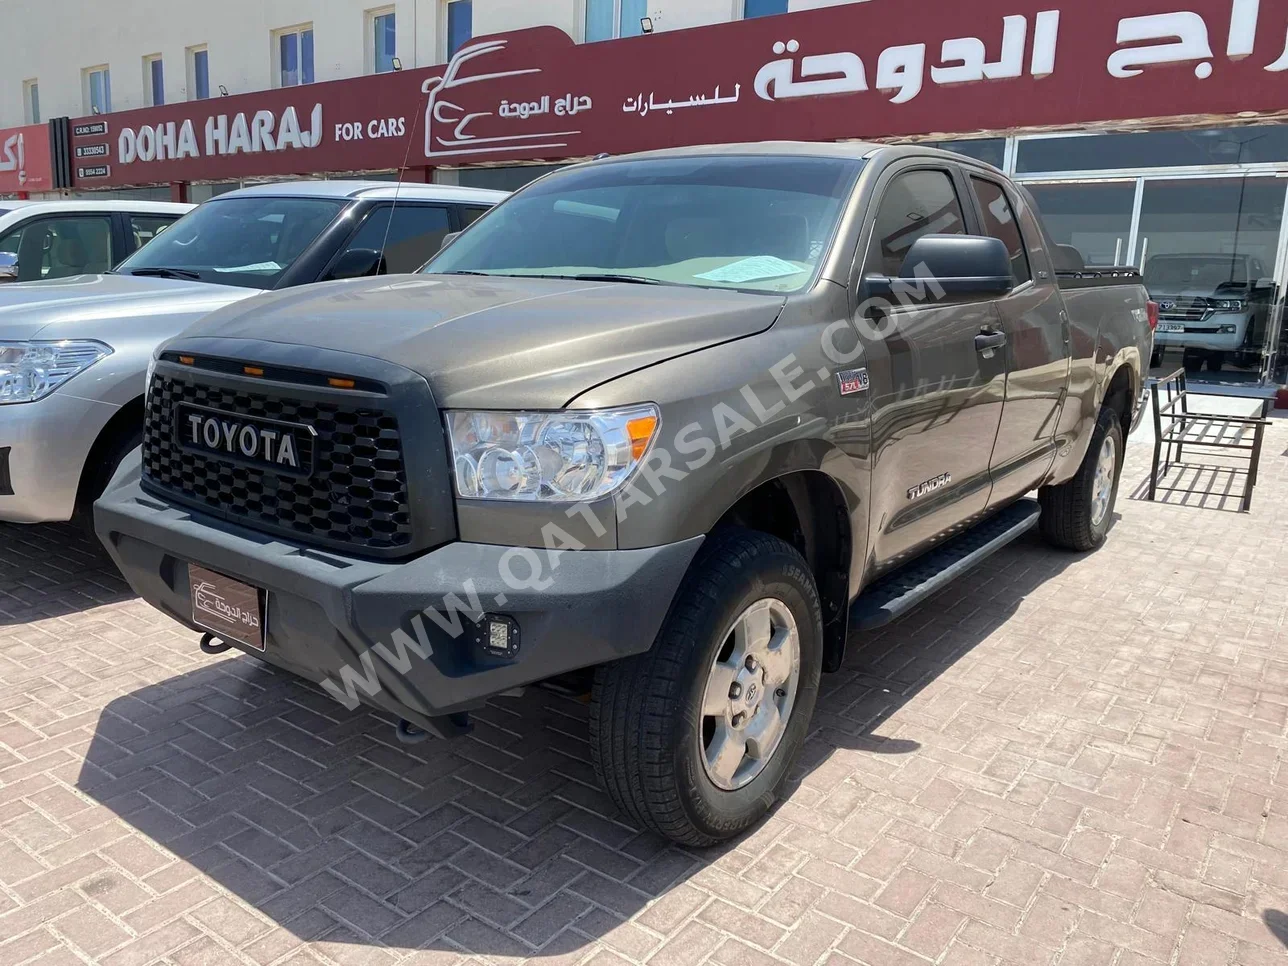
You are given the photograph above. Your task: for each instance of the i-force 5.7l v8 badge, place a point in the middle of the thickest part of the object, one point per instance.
(853, 381)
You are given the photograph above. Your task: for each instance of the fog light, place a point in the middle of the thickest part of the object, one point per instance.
(1229, 329)
(497, 635)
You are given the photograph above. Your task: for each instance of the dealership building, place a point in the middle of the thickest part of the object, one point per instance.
(1149, 135)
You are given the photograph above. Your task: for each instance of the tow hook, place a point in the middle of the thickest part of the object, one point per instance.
(409, 734)
(213, 645)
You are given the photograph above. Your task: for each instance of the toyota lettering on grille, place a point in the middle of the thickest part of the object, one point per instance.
(285, 448)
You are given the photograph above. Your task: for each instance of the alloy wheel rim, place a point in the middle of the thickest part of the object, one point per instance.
(749, 694)
(1102, 493)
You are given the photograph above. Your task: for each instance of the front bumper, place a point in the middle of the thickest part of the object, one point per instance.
(326, 612)
(1213, 341)
(47, 443)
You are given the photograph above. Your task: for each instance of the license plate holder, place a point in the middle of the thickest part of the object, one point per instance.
(1172, 327)
(228, 608)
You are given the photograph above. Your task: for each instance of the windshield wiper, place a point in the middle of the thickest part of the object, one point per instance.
(183, 273)
(588, 277)
(608, 277)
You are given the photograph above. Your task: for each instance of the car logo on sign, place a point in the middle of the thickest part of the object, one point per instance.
(853, 381)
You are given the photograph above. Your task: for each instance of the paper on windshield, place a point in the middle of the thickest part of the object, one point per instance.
(257, 267)
(752, 269)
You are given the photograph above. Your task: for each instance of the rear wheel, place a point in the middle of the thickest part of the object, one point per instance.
(1076, 515)
(694, 738)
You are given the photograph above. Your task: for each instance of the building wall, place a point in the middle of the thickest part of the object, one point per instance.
(62, 37)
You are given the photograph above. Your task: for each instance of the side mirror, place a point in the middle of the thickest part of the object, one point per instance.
(959, 265)
(8, 267)
(357, 263)
(448, 239)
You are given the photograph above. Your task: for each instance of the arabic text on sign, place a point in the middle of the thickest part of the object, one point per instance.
(901, 70)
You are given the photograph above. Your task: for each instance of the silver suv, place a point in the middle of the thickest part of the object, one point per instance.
(74, 351)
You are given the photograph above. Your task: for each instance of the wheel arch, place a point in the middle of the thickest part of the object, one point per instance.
(813, 511)
(1120, 392)
(125, 422)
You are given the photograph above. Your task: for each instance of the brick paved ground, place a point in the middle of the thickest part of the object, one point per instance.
(1062, 759)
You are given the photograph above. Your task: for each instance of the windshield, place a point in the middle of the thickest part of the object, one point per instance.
(1203, 272)
(236, 241)
(749, 222)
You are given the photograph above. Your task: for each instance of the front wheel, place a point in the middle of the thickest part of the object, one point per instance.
(694, 738)
(1076, 515)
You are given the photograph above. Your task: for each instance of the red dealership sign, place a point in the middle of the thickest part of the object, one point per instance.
(850, 71)
(24, 159)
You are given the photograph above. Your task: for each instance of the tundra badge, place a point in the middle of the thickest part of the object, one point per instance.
(930, 486)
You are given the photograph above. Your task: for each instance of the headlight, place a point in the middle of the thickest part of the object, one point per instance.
(1230, 305)
(563, 457)
(32, 370)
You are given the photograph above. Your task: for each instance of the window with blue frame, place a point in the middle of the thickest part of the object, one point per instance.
(383, 38)
(295, 57)
(460, 24)
(763, 8)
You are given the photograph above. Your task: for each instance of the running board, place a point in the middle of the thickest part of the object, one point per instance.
(901, 590)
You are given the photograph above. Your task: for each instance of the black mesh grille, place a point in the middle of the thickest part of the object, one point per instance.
(356, 495)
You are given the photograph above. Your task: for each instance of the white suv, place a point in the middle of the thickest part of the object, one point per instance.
(58, 239)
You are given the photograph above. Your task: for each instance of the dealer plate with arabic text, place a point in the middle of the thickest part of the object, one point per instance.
(229, 609)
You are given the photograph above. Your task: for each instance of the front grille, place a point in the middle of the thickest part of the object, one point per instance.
(357, 493)
(1186, 310)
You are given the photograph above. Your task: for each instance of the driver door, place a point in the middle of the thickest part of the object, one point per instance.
(937, 398)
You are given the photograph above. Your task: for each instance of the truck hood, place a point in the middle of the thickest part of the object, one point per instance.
(1200, 292)
(92, 306)
(497, 342)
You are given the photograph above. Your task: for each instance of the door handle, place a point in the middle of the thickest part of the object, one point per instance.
(987, 341)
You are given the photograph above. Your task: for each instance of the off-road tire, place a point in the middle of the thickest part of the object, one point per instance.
(1067, 509)
(645, 710)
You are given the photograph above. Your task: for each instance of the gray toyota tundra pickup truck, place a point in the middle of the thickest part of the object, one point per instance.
(691, 419)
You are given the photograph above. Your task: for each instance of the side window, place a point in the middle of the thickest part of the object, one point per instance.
(146, 227)
(915, 204)
(1001, 223)
(10, 242)
(471, 215)
(62, 247)
(414, 237)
